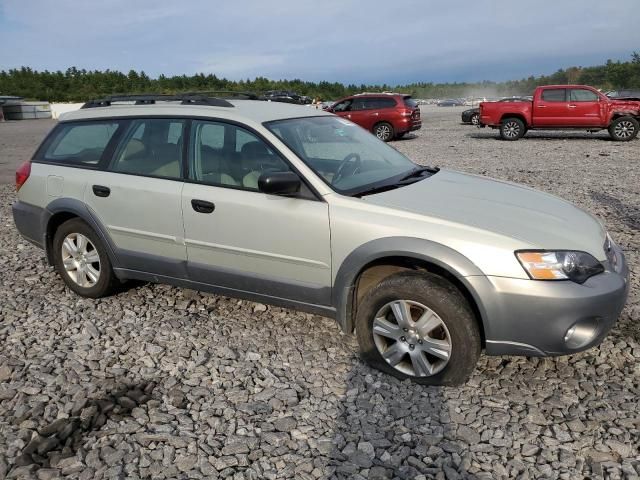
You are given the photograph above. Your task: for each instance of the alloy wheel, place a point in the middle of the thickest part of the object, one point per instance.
(412, 338)
(511, 129)
(383, 132)
(625, 129)
(81, 260)
(475, 119)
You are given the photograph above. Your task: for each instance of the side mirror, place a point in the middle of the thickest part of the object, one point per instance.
(279, 183)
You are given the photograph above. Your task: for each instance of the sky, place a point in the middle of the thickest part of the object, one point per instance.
(382, 42)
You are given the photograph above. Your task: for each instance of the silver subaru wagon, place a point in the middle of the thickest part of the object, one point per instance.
(295, 207)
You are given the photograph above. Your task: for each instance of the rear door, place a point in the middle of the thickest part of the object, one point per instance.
(585, 108)
(138, 197)
(551, 108)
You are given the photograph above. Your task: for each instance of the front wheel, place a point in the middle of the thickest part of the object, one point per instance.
(623, 129)
(475, 119)
(512, 129)
(383, 131)
(417, 325)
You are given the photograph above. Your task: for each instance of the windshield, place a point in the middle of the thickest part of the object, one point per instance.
(346, 156)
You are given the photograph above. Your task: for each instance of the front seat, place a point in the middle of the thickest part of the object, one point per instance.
(254, 154)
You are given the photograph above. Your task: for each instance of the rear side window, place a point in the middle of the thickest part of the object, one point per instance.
(582, 95)
(554, 95)
(151, 147)
(80, 143)
(410, 102)
(385, 102)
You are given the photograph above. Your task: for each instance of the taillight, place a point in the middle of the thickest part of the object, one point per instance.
(406, 113)
(22, 174)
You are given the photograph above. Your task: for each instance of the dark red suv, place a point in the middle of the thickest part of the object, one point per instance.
(386, 115)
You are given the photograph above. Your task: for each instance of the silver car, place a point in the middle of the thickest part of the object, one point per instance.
(296, 207)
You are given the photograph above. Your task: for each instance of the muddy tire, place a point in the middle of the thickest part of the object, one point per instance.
(418, 326)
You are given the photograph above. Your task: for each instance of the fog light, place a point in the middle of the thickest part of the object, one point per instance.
(581, 333)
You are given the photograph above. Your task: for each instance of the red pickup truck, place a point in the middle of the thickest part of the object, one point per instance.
(560, 107)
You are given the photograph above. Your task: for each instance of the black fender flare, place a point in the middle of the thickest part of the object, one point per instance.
(82, 211)
(435, 253)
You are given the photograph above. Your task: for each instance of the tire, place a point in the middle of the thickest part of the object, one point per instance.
(450, 320)
(75, 244)
(384, 131)
(624, 129)
(475, 119)
(512, 128)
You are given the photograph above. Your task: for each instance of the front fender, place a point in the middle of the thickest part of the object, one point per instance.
(408, 247)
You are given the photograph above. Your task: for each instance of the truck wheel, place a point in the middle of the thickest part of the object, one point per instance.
(512, 128)
(418, 326)
(383, 131)
(623, 129)
(475, 119)
(81, 260)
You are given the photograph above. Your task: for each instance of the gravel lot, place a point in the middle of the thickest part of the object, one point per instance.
(164, 382)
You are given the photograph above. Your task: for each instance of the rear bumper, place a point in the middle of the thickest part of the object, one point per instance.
(534, 318)
(408, 125)
(29, 222)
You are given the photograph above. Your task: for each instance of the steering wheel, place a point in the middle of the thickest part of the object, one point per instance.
(349, 166)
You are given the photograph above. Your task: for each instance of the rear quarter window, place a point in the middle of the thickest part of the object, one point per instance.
(410, 102)
(79, 143)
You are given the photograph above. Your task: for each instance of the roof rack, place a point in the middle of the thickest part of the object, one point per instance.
(150, 99)
(228, 94)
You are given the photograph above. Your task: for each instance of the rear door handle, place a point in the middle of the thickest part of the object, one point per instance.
(202, 206)
(541, 106)
(101, 191)
(572, 106)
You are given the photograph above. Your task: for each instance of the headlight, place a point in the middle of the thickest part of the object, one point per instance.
(559, 265)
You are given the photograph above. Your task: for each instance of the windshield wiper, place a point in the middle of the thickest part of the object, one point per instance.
(417, 172)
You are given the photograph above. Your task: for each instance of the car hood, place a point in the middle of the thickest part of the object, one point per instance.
(538, 219)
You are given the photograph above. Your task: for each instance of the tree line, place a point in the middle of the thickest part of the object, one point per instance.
(76, 85)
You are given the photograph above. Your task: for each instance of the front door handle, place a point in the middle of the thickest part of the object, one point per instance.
(202, 206)
(101, 191)
(572, 106)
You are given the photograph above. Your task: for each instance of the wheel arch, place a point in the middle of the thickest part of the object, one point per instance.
(378, 259)
(519, 116)
(64, 209)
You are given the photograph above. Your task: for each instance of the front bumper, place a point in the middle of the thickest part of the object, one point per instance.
(533, 318)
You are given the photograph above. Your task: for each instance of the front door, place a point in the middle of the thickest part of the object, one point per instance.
(245, 240)
(584, 107)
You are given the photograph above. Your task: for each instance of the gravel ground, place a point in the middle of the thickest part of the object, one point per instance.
(161, 382)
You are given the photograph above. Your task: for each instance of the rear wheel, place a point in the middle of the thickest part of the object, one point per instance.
(384, 131)
(418, 326)
(512, 128)
(623, 129)
(81, 260)
(475, 119)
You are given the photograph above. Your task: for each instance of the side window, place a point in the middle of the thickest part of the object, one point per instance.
(387, 103)
(80, 143)
(362, 104)
(554, 95)
(151, 147)
(582, 95)
(342, 106)
(239, 164)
